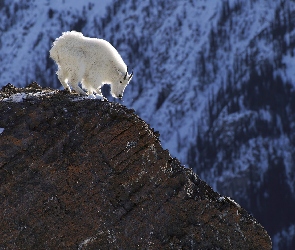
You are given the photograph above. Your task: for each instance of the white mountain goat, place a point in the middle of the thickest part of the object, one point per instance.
(91, 61)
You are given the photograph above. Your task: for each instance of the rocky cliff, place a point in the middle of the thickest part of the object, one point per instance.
(89, 174)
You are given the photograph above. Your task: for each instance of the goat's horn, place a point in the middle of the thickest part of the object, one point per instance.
(131, 75)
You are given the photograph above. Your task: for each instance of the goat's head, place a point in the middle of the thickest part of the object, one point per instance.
(117, 89)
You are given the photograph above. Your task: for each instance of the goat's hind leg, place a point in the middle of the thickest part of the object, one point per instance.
(62, 78)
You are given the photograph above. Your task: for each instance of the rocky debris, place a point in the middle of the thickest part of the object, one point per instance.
(90, 174)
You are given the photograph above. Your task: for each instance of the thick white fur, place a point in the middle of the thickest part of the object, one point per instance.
(91, 61)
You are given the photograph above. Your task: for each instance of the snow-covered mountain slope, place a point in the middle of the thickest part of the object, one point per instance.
(216, 78)
(27, 30)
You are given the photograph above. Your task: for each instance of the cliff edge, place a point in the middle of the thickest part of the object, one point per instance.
(77, 173)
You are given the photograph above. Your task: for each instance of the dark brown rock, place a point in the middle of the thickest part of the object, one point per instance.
(91, 174)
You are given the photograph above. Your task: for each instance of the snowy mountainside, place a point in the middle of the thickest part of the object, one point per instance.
(216, 78)
(27, 30)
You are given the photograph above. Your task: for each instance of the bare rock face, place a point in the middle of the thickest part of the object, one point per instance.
(90, 174)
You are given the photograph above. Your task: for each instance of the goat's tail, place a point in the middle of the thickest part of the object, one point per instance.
(54, 54)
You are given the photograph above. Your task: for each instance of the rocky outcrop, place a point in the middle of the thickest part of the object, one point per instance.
(89, 174)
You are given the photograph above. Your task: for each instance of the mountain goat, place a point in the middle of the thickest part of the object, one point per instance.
(90, 61)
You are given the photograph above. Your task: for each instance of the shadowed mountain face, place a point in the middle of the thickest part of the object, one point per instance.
(86, 174)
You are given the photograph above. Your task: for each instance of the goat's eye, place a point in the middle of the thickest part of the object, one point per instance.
(120, 81)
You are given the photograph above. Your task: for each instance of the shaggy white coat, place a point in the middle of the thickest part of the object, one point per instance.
(90, 61)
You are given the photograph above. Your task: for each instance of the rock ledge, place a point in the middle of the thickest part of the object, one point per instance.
(91, 174)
